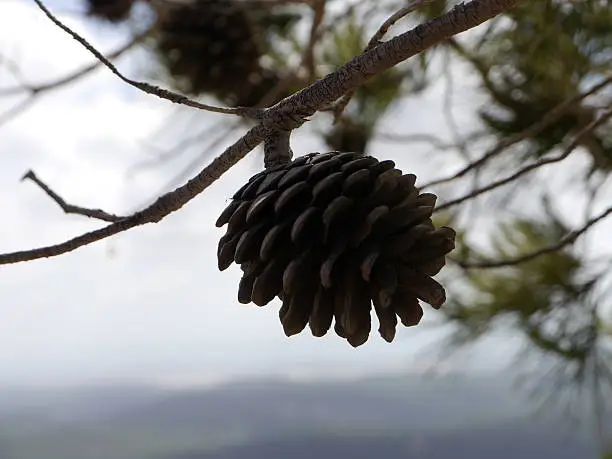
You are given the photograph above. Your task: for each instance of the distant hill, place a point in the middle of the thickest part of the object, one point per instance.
(500, 442)
(279, 419)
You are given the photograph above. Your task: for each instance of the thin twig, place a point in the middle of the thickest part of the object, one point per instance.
(531, 167)
(175, 151)
(13, 68)
(72, 77)
(194, 163)
(395, 17)
(69, 208)
(16, 110)
(146, 87)
(36, 90)
(550, 117)
(318, 7)
(375, 41)
(563, 242)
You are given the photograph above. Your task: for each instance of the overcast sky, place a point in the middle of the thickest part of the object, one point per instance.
(148, 304)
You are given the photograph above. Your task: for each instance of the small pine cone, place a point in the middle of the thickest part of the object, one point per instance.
(110, 10)
(348, 135)
(332, 234)
(214, 46)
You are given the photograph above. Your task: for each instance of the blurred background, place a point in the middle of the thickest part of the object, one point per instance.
(137, 348)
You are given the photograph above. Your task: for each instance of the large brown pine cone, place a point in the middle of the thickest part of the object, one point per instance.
(214, 46)
(332, 234)
(110, 10)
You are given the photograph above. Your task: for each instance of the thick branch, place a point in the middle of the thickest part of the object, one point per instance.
(287, 114)
(375, 41)
(69, 208)
(387, 55)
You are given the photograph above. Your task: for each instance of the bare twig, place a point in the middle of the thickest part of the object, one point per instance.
(69, 208)
(533, 166)
(390, 22)
(16, 110)
(551, 117)
(447, 108)
(146, 87)
(72, 77)
(570, 238)
(375, 41)
(291, 113)
(307, 58)
(194, 164)
(13, 68)
(163, 155)
(318, 7)
(36, 90)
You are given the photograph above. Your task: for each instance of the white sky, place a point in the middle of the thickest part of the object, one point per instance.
(150, 303)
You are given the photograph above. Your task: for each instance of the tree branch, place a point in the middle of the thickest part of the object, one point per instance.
(69, 208)
(16, 110)
(183, 145)
(375, 41)
(552, 116)
(387, 55)
(162, 207)
(318, 8)
(533, 166)
(570, 238)
(13, 68)
(196, 162)
(289, 114)
(65, 80)
(146, 87)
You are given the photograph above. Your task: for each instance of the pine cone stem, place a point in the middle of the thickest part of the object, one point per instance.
(277, 148)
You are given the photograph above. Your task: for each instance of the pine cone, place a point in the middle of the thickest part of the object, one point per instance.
(111, 10)
(331, 234)
(348, 135)
(214, 46)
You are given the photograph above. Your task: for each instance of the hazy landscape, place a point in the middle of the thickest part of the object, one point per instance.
(389, 418)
